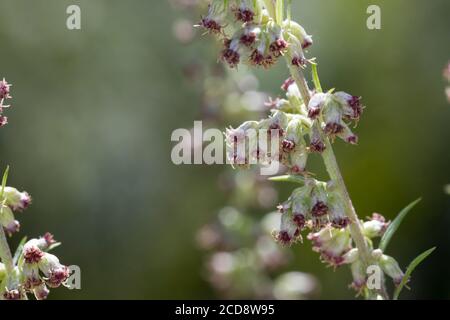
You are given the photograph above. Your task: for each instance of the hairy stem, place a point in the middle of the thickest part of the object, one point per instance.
(335, 174)
(5, 252)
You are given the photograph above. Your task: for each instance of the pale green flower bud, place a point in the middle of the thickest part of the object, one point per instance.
(351, 256)
(359, 275)
(375, 227)
(391, 268)
(16, 200)
(7, 220)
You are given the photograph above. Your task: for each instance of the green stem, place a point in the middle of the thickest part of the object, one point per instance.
(335, 174)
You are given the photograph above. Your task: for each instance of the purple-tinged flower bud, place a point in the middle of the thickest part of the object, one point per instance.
(298, 159)
(17, 201)
(31, 276)
(213, 20)
(347, 135)
(351, 105)
(375, 227)
(7, 220)
(391, 268)
(359, 276)
(316, 144)
(3, 121)
(55, 272)
(289, 232)
(260, 56)
(4, 89)
(13, 294)
(299, 32)
(249, 36)
(332, 244)
(319, 200)
(32, 254)
(287, 83)
(316, 104)
(41, 292)
(12, 286)
(246, 11)
(332, 116)
(230, 54)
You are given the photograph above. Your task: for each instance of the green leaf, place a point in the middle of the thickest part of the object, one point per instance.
(5, 178)
(393, 226)
(53, 246)
(288, 178)
(315, 76)
(410, 269)
(19, 250)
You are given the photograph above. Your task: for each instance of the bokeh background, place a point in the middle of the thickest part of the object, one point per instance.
(93, 110)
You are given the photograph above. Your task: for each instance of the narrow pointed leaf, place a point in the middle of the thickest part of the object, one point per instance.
(5, 178)
(288, 178)
(19, 250)
(393, 226)
(410, 269)
(315, 76)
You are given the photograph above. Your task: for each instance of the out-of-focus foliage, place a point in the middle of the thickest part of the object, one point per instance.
(89, 136)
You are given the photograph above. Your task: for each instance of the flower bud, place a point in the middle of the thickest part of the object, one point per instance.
(316, 144)
(213, 20)
(332, 115)
(347, 135)
(7, 220)
(316, 104)
(17, 201)
(32, 253)
(31, 276)
(246, 11)
(249, 35)
(299, 32)
(359, 275)
(41, 292)
(230, 54)
(351, 256)
(259, 57)
(391, 268)
(298, 159)
(3, 121)
(289, 232)
(375, 227)
(55, 272)
(351, 105)
(4, 89)
(332, 244)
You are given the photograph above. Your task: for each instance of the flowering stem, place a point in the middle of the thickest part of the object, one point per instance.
(335, 174)
(5, 253)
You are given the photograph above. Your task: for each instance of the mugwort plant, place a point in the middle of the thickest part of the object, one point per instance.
(259, 33)
(32, 269)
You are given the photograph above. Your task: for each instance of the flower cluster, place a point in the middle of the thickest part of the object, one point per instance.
(255, 38)
(35, 269)
(289, 134)
(13, 201)
(4, 94)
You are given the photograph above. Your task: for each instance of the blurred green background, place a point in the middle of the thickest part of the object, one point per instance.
(93, 110)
